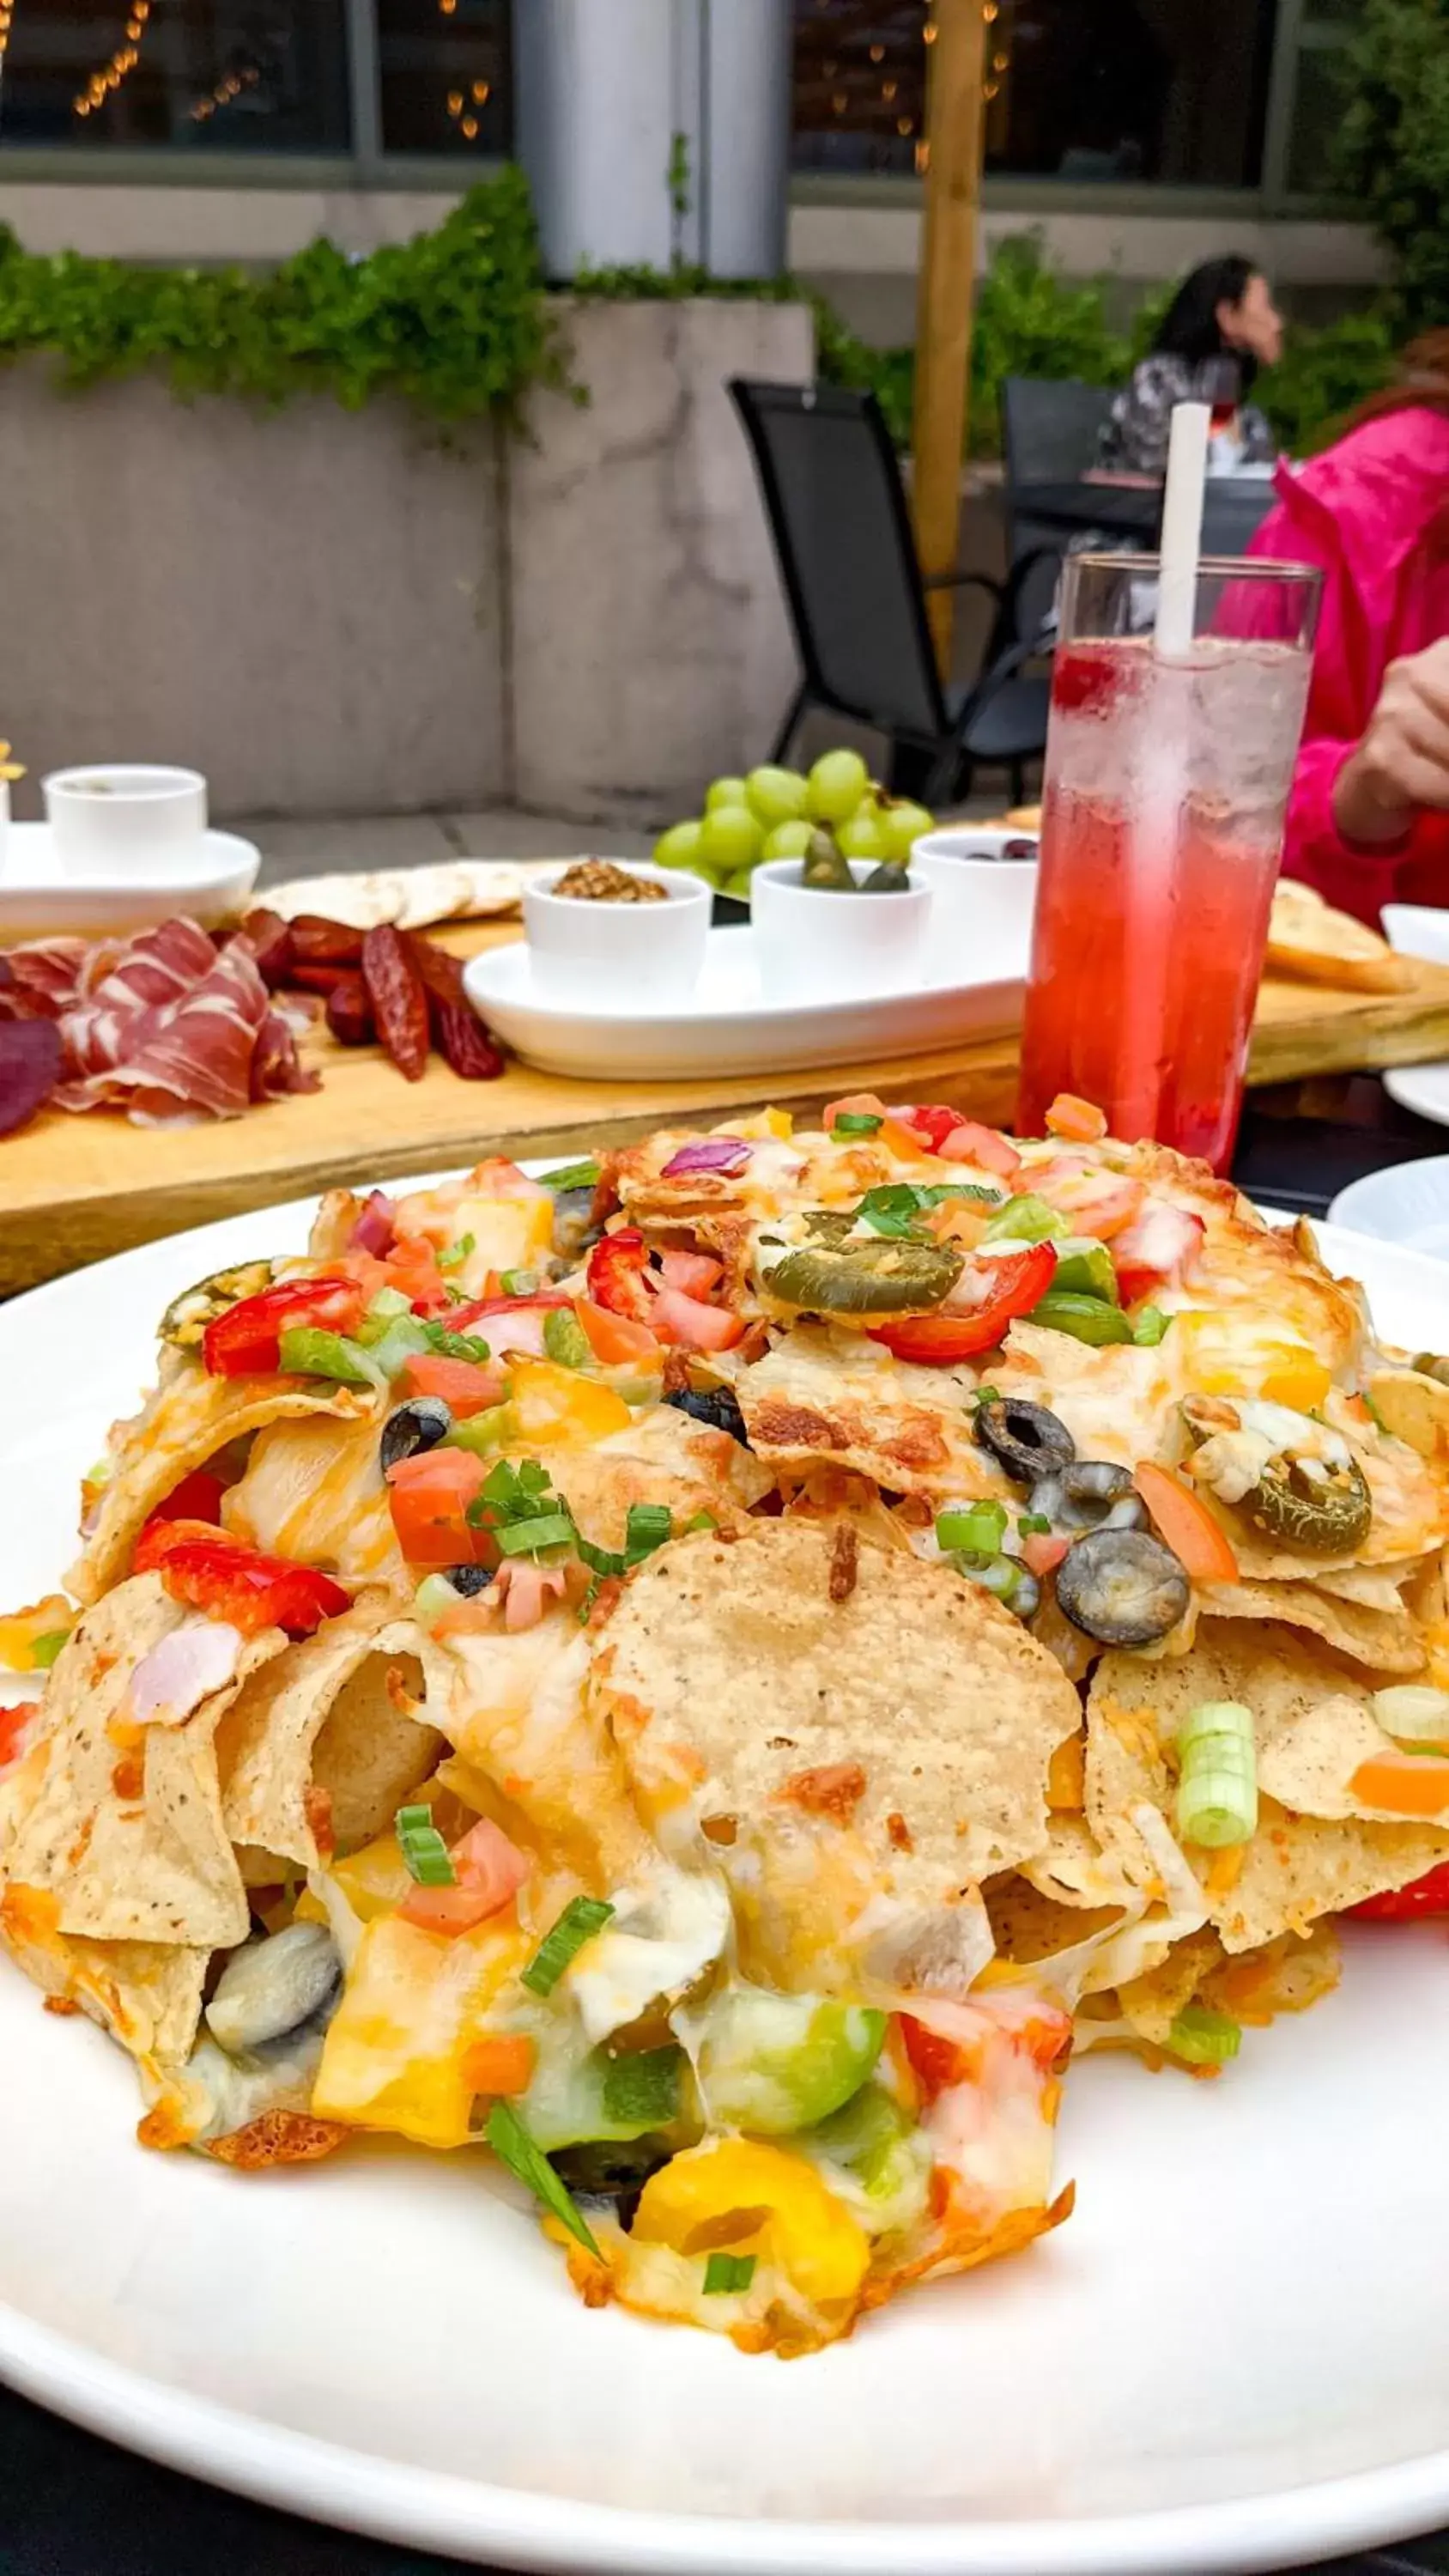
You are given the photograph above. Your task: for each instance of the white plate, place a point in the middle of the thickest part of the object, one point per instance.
(727, 1026)
(1404, 1203)
(1419, 930)
(37, 899)
(1234, 2356)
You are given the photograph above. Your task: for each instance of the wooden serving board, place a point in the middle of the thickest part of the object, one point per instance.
(74, 1188)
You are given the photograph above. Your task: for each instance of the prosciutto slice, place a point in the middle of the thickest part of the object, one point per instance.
(164, 1026)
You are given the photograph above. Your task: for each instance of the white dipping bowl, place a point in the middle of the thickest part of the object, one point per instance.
(820, 944)
(125, 819)
(644, 952)
(1417, 930)
(979, 897)
(1404, 1203)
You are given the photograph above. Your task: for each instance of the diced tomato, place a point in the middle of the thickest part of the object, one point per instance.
(196, 1498)
(465, 1386)
(967, 1141)
(1041, 1553)
(245, 1341)
(856, 1104)
(1157, 1248)
(936, 2060)
(501, 2065)
(1010, 1286)
(1099, 1202)
(695, 1272)
(1185, 1524)
(617, 1273)
(428, 1496)
(13, 1722)
(490, 1871)
(1080, 1120)
(527, 1588)
(210, 1571)
(412, 1268)
(615, 1338)
(1409, 1784)
(689, 1325)
(461, 1319)
(1423, 1897)
(932, 1121)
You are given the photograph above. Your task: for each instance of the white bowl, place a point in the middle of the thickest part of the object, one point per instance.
(1405, 1203)
(975, 896)
(820, 944)
(643, 952)
(123, 818)
(976, 841)
(1417, 930)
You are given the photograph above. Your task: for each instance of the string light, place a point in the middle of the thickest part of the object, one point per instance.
(470, 128)
(838, 101)
(108, 79)
(929, 32)
(4, 30)
(888, 90)
(223, 94)
(905, 125)
(923, 158)
(481, 91)
(877, 53)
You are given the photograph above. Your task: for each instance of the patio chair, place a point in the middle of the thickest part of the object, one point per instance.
(842, 534)
(1049, 434)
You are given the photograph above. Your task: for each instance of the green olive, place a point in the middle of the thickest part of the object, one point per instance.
(825, 864)
(1324, 1509)
(881, 1278)
(186, 1318)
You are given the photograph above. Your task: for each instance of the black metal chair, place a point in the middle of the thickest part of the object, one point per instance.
(1050, 433)
(842, 535)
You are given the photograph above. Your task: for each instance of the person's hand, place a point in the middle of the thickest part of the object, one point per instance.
(1402, 764)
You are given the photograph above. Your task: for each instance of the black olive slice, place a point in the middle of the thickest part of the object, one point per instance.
(716, 1406)
(1123, 1587)
(419, 1424)
(1029, 1440)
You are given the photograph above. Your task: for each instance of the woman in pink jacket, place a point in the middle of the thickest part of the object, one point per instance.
(1368, 819)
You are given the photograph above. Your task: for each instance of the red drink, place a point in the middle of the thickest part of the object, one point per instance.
(1161, 831)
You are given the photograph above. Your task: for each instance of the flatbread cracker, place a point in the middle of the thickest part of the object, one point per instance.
(1309, 940)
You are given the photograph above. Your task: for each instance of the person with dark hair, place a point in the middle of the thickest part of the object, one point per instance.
(1368, 818)
(1220, 328)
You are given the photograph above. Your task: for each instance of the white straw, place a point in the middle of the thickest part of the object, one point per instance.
(1187, 447)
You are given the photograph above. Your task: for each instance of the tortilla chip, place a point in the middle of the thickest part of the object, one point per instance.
(131, 1858)
(185, 1422)
(1414, 1409)
(836, 1727)
(1152, 2002)
(146, 1994)
(1030, 1928)
(1387, 1641)
(317, 1741)
(1296, 1867)
(836, 1396)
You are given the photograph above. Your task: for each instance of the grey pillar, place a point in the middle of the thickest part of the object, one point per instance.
(655, 130)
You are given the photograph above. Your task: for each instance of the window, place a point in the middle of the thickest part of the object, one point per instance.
(1085, 90)
(228, 75)
(444, 68)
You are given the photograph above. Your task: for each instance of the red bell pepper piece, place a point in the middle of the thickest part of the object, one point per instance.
(209, 1571)
(196, 1498)
(246, 1340)
(1012, 1285)
(1422, 1898)
(618, 1269)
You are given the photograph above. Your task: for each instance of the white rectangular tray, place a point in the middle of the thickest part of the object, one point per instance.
(726, 1025)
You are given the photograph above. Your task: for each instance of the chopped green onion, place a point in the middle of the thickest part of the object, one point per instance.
(516, 1493)
(44, 1649)
(1150, 1327)
(647, 1527)
(981, 1528)
(987, 1395)
(483, 1433)
(1201, 2037)
(387, 1303)
(572, 1176)
(1414, 1712)
(585, 1607)
(434, 1597)
(599, 1560)
(524, 2157)
(400, 1342)
(424, 1851)
(307, 1351)
(456, 1346)
(701, 1521)
(1033, 1525)
(565, 1340)
(1372, 1411)
(890, 1210)
(999, 1574)
(644, 2086)
(855, 1122)
(728, 2272)
(1217, 1787)
(581, 1918)
(1025, 1219)
(457, 1253)
(526, 1538)
(518, 1283)
(1086, 1319)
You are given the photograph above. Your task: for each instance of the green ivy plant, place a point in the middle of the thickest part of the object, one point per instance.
(1392, 151)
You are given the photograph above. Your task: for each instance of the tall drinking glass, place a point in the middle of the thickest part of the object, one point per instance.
(1166, 784)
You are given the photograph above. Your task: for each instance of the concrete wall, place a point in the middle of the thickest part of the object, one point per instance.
(339, 613)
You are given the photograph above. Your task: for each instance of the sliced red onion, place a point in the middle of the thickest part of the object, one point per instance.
(29, 1070)
(184, 1670)
(376, 1226)
(724, 1154)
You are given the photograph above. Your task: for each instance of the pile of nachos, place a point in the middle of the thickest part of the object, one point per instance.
(713, 1672)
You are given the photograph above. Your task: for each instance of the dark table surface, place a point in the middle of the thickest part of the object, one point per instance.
(71, 2505)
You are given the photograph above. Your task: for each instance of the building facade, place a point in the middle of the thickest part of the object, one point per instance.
(1137, 133)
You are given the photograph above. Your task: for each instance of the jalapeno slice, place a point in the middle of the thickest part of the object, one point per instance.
(186, 1318)
(1321, 1506)
(881, 1278)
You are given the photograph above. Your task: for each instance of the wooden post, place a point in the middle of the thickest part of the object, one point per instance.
(944, 296)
